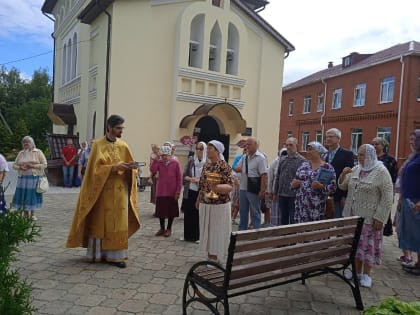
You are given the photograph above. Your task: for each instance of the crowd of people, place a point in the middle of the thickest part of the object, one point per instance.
(291, 190)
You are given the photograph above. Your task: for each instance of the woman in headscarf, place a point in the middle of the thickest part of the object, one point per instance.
(30, 164)
(215, 222)
(381, 146)
(83, 158)
(168, 188)
(315, 181)
(370, 195)
(192, 174)
(410, 212)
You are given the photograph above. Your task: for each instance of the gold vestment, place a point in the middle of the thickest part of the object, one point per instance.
(107, 204)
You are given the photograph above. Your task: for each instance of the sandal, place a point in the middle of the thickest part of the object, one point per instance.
(414, 271)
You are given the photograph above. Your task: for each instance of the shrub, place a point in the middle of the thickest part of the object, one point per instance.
(15, 293)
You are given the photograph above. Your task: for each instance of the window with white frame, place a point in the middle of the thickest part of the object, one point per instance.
(307, 104)
(337, 95)
(289, 134)
(291, 105)
(387, 90)
(214, 50)
(385, 133)
(356, 139)
(232, 50)
(64, 64)
(305, 140)
(418, 88)
(320, 103)
(69, 58)
(74, 57)
(360, 94)
(318, 136)
(195, 53)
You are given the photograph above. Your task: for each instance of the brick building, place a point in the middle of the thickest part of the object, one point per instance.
(367, 95)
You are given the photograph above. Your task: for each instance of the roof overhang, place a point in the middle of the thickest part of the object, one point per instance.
(93, 10)
(62, 114)
(230, 114)
(48, 6)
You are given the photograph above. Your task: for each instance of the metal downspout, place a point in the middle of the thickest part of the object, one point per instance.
(53, 69)
(108, 48)
(397, 142)
(323, 110)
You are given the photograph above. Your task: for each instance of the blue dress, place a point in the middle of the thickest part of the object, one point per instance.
(410, 221)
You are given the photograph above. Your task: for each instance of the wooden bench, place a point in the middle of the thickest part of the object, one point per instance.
(268, 257)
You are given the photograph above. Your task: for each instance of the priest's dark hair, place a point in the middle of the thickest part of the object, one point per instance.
(114, 120)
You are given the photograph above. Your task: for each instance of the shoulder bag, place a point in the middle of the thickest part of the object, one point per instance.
(42, 185)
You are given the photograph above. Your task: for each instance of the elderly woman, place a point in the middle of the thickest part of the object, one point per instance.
(381, 146)
(315, 181)
(410, 212)
(192, 174)
(168, 188)
(370, 195)
(215, 222)
(30, 164)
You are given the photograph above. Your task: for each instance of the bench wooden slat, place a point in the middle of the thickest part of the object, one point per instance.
(288, 261)
(293, 228)
(276, 274)
(292, 239)
(268, 253)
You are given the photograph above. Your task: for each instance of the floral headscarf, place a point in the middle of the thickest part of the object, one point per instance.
(371, 159)
(318, 147)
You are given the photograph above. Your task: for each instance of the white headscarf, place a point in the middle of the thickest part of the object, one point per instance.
(219, 147)
(371, 159)
(197, 163)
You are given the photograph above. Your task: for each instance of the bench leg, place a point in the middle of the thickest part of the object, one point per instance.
(356, 289)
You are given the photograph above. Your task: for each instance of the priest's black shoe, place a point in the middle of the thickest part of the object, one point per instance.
(119, 264)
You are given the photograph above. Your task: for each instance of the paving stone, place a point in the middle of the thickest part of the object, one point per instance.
(154, 279)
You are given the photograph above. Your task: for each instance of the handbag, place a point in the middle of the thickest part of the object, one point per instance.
(42, 185)
(330, 208)
(253, 183)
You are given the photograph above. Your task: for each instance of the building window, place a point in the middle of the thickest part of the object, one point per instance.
(360, 94)
(305, 140)
(387, 90)
(216, 3)
(289, 134)
(291, 104)
(320, 104)
(69, 58)
(64, 64)
(418, 89)
(337, 94)
(214, 51)
(232, 50)
(307, 104)
(347, 61)
(195, 54)
(318, 136)
(356, 139)
(385, 133)
(74, 57)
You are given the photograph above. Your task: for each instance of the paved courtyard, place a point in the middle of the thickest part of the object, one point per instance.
(153, 281)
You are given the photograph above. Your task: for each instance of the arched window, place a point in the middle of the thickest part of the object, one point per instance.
(74, 57)
(214, 51)
(195, 55)
(64, 65)
(232, 52)
(69, 56)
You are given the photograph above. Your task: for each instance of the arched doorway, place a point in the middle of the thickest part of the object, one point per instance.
(207, 128)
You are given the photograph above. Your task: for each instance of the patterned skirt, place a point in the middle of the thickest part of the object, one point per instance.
(26, 198)
(369, 250)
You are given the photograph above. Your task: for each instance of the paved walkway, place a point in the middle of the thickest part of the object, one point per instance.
(153, 281)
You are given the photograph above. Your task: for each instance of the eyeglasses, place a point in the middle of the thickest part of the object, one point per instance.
(376, 144)
(199, 149)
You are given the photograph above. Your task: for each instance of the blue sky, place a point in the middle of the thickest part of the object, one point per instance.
(321, 31)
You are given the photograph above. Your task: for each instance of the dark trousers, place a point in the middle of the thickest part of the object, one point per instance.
(287, 210)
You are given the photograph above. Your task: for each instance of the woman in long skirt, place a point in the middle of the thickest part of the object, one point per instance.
(192, 176)
(30, 164)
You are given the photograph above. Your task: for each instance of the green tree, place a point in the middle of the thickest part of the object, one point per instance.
(19, 131)
(15, 294)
